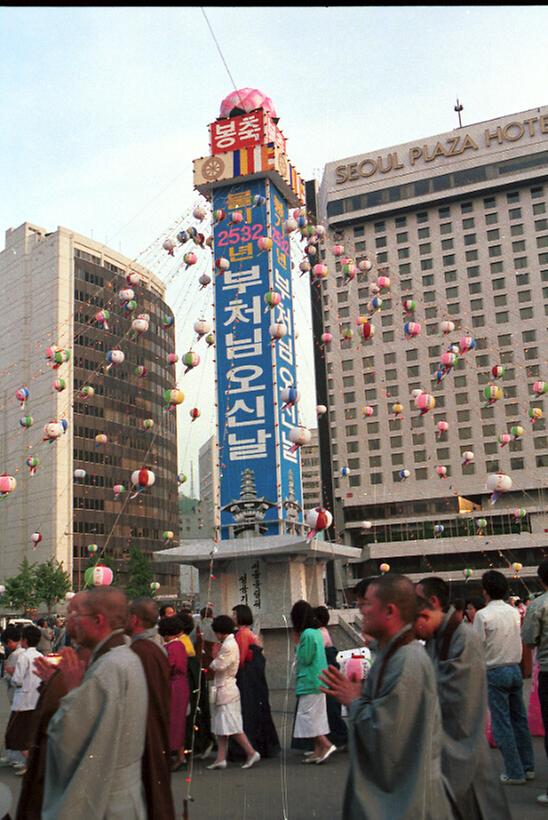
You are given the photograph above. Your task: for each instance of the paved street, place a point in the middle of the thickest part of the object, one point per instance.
(284, 789)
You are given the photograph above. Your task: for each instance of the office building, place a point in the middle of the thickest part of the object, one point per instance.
(458, 222)
(54, 286)
(209, 486)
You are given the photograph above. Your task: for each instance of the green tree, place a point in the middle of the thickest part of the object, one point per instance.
(139, 574)
(51, 582)
(21, 589)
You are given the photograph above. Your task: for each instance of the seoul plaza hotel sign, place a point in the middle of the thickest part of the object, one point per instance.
(462, 143)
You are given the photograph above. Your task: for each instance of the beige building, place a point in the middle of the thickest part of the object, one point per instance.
(209, 486)
(53, 285)
(459, 224)
(310, 472)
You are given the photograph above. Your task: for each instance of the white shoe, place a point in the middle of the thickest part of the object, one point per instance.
(220, 765)
(255, 757)
(512, 781)
(327, 754)
(542, 798)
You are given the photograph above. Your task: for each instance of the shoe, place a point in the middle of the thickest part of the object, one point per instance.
(20, 772)
(327, 754)
(207, 752)
(220, 765)
(512, 781)
(530, 775)
(308, 754)
(310, 759)
(542, 798)
(255, 757)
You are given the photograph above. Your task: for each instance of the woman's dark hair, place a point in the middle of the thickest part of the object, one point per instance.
(302, 617)
(495, 584)
(321, 614)
(223, 625)
(164, 608)
(187, 621)
(12, 632)
(244, 615)
(169, 627)
(476, 602)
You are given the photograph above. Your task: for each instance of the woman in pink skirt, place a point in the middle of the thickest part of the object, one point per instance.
(170, 629)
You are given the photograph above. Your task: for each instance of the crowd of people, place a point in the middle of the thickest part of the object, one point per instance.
(135, 693)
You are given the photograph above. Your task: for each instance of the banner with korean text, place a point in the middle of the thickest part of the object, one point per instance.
(260, 488)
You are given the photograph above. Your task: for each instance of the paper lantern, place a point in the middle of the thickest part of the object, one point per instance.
(441, 471)
(101, 438)
(299, 436)
(425, 402)
(384, 568)
(277, 330)
(467, 457)
(467, 572)
(318, 519)
(447, 327)
(79, 473)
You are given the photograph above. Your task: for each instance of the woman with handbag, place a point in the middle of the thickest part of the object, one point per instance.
(225, 696)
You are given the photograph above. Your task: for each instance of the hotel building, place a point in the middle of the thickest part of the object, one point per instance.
(459, 223)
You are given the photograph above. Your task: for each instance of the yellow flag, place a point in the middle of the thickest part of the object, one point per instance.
(465, 505)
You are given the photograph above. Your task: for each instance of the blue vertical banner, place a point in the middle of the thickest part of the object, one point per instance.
(260, 486)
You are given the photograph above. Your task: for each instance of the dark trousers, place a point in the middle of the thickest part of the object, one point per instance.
(543, 697)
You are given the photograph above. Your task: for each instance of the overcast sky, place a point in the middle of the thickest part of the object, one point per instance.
(103, 110)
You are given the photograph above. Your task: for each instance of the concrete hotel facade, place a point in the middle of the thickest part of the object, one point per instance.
(459, 222)
(53, 284)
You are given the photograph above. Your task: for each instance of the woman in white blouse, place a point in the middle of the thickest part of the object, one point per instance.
(225, 696)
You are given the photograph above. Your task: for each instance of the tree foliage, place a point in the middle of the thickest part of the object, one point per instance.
(20, 591)
(51, 582)
(140, 574)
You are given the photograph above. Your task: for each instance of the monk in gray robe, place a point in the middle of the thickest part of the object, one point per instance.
(96, 738)
(458, 658)
(394, 723)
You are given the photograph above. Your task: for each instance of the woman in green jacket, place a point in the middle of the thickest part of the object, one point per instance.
(311, 719)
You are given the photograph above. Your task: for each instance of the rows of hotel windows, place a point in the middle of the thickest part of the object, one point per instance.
(433, 564)
(475, 294)
(422, 187)
(498, 283)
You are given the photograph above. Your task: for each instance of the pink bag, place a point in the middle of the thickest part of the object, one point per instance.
(534, 715)
(489, 731)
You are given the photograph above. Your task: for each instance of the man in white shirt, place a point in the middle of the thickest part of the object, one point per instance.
(11, 638)
(26, 694)
(498, 626)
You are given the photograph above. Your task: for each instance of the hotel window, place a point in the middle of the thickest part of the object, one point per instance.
(446, 228)
(537, 191)
(389, 358)
(465, 433)
(496, 267)
(463, 415)
(400, 221)
(510, 391)
(471, 256)
(387, 320)
(350, 413)
(372, 427)
(375, 461)
(467, 224)
(446, 244)
(474, 287)
(512, 197)
(405, 285)
(348, 364)
(449, 259)
(405, 268)
(348, 381)
(491, 219)
(352, 430)
(452, 293)
(417, 421)
(492, 466)
(349, 398)
(353, 446)
(519, 247)
(490, 448)
(375, 478)
(388, 336)
(466, 207)
(425, 248)
(516, 230)
(394, 424)
(461, 398)
(505, 340)
(524, 296)
(380, 242)
(429, 296)
(522, 279)
(460, 381)
(413, 371)
(344, 312)
(478, 321)
(428, 280)
(419, 455)
(498, 284)
(514, 213)
(354, 463)
(354, 480)
(370, 395)
(444, 212)
(517, 464)
(382, 257)
(359, 230)
(402, 237)
(423, 233)
(434, 351)
(502, 316)
(470, 239)
(489, 202)
(541, 224)
(418, 438)
(396, 458)
(426, 264)
(422, 216)
(403, 253)
(391, 375)
(529, 335)
(500, 300)
(395, 441)
(359, 246)
(379, 226)
(450, 275)
(542, 242)
(412, 355)
(443, 453)
(542, 461)
(421, 473)
(369, 378)
(493, 235)
(526, 313)
(454, 308)
(539, 208)
(430, 313)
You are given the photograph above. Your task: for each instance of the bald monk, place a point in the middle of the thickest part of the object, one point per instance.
(156, 770)
(394, 723)
(96, 738)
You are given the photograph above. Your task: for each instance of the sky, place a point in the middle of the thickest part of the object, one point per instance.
(104, 109)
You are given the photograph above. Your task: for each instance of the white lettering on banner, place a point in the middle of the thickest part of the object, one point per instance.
(285, 314)
(247, 448)
(289, 417)
(240, 405)
(243, 348)
(250, 129)
(225, 134)
(281, 283)
(285, 350)
(241, 279)
(286, 377)
(238, 310)
(286, 447)
(236, 375)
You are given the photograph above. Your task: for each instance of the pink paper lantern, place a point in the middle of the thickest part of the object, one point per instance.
(245, 100)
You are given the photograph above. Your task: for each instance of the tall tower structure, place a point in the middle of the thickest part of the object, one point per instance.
(252, 185)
